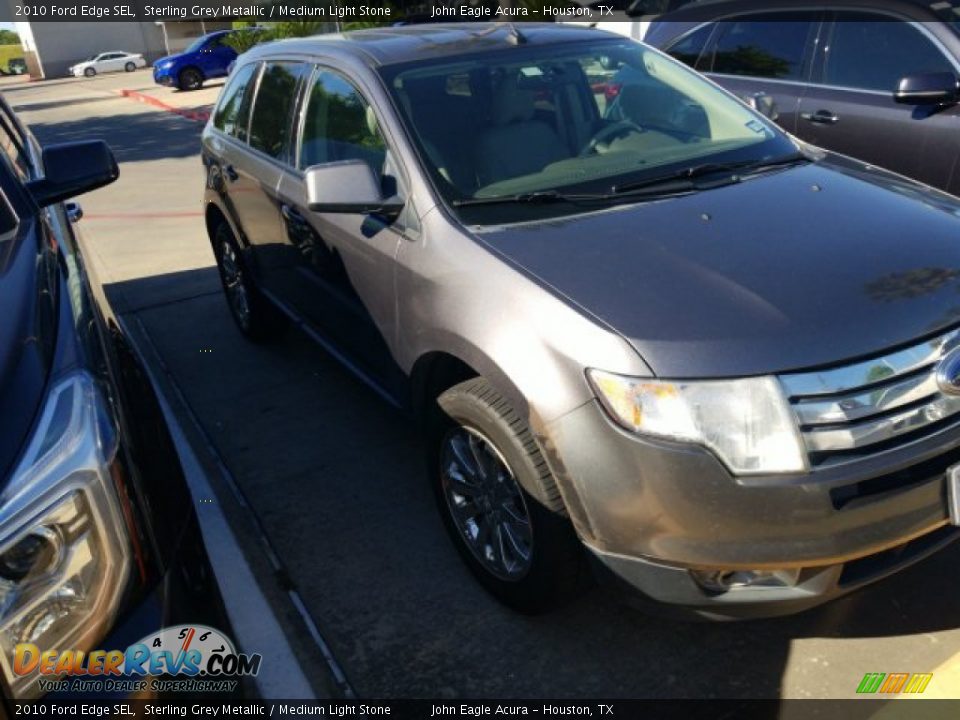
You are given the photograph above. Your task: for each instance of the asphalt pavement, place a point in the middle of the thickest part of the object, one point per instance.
(324, 485)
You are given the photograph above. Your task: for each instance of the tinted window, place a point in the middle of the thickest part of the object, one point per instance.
(688, 49)
(769, 46)
(273, 108)
(340, 125)
(234, 108)
(875, 55)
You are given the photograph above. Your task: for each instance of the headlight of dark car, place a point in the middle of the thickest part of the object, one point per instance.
(64, 548)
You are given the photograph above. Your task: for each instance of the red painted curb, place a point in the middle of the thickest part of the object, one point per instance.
(195, 115)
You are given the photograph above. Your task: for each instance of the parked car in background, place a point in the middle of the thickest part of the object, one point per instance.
(207, 57)
(693, 342)
(99, 542)
(877, 80)
(17, 66)
(107, 62)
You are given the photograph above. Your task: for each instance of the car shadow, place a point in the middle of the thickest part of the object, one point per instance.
(336, 479)
(144, 135)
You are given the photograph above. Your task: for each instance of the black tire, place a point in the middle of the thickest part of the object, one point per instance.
(89, 72)
(260, 321)
(130, 67)
(556, 570)
(190, 79)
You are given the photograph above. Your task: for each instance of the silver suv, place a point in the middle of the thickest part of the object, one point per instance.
(631, 317)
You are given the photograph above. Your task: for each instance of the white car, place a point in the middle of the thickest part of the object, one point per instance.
(113, 61)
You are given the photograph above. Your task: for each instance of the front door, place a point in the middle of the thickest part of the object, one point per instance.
(765, 53)
(850, 107)
(346, 261)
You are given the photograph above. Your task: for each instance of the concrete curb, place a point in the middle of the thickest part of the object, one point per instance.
(195, 115)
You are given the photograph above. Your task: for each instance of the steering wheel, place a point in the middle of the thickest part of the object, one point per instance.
(609, 132)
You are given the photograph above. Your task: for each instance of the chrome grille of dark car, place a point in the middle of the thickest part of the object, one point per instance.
(867, 406)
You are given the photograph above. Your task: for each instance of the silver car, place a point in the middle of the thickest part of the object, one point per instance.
(676, 344)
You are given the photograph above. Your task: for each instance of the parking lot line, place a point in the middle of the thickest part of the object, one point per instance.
(254, 623)
(196, 115)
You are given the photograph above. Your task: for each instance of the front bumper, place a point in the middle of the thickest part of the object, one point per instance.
(163, 77)
(651, 511)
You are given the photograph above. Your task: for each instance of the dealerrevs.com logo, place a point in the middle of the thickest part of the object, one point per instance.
(188, 658)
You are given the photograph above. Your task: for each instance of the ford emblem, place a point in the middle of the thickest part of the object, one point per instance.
(948, 373)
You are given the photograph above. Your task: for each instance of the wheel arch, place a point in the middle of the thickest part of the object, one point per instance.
(214, 216)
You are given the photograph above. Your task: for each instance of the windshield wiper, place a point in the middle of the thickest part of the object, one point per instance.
(695, 171)
(552, 196)
(532, 198)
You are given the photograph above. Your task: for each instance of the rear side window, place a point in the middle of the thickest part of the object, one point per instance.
(689, 48)
(876, 55)
(273, 108)
(340, 125)
(772, 45)
(234, 108)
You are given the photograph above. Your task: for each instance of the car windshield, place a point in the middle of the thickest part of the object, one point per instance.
(197, 44)
(590, 117)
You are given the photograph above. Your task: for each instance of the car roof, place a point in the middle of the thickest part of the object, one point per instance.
(390, 45)
(713, 9)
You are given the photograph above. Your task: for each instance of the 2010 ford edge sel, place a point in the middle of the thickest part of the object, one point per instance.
(724, 361)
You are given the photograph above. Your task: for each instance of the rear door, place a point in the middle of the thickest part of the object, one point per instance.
(252, 172)
(850, 107)
(766, 53)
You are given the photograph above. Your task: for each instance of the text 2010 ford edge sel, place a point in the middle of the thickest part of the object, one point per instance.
(725, 361)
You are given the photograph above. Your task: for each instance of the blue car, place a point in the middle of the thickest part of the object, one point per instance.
(208, 57)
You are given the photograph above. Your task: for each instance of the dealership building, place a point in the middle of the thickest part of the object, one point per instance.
(52, 47)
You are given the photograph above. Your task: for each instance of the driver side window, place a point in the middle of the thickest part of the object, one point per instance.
(340, 125)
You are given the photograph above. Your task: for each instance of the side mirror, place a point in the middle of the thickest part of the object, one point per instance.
(72, 169)
(763, 104)
(941, 88)
(349, 186)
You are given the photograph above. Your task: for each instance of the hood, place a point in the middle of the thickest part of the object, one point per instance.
(25, 334)
(170, 59)
(789, 270)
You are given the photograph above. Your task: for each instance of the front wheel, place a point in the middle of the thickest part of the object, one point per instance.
(89, 72)
(190, 79)
(518, 543)
(256, 318)
(130, 67)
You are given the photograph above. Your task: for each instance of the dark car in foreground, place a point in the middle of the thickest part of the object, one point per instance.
(99, 542)
(876, 80)
(209, 56)
(686, 342)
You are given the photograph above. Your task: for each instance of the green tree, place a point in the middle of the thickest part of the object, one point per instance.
(9, 37)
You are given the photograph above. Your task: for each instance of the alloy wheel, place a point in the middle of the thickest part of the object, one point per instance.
(486, 503)
(191, 80)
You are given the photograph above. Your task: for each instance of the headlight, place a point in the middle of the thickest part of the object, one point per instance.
(747, 422)
(64, 549)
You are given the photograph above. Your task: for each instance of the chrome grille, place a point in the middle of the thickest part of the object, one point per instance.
(850, 409)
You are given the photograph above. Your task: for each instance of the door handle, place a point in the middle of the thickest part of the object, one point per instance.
(231, 174)
(821, 117)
